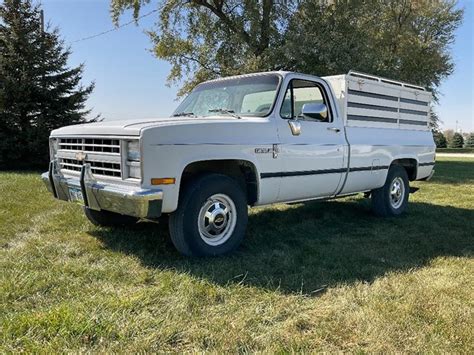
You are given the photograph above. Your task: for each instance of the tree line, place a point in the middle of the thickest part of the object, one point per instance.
(451, 139)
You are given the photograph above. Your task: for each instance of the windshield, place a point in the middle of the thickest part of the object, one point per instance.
(244, 96)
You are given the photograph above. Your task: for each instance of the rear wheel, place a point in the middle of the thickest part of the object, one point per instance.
(392, 198)
(211, 218)
(108, 219)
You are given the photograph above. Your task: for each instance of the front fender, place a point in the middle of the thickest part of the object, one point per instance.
(168, 149)
(162, 161)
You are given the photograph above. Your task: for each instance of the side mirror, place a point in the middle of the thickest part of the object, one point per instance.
(315, 111)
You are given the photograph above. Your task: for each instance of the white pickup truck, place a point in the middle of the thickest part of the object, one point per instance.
(248, 140)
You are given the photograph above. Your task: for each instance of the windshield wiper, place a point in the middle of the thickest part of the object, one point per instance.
(184, 114)
(226, 111)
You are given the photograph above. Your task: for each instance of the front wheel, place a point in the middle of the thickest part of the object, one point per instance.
(211, 218)
(392, 198)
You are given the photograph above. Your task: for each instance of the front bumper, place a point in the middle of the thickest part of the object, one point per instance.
(141, 203)
(431, 175)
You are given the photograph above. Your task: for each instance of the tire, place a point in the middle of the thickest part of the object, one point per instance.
(108, 219)
(211, 218)
(392, 198)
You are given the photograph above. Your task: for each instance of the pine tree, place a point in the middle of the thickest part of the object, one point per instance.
(470, 141)
(440, 139)
(38, 91)
(457, 141)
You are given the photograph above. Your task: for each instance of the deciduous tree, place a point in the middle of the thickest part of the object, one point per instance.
(204, 39)
(399, 39)
(449, 133)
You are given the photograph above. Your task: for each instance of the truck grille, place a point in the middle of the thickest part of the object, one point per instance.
(90, 145)
(103, 154)
(100, 168)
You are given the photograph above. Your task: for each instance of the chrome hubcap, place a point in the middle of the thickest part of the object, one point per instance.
(217, 219)
(397, 192)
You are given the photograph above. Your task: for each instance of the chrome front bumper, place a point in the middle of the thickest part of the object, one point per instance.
(141, 203)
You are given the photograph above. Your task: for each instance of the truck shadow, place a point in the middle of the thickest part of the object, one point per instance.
(307, 248)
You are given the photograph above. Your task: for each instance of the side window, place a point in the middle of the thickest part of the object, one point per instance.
(299, 93)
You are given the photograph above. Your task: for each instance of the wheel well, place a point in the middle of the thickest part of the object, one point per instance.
(410, 166)
(243, 171)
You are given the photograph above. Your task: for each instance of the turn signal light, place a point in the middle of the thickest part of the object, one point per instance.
(163, 181)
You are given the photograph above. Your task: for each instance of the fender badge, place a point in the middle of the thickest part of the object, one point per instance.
(263, 150)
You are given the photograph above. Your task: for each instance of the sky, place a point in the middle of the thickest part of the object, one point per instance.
(131, 82)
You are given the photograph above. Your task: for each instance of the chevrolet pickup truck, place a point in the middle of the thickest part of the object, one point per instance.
(249, 140)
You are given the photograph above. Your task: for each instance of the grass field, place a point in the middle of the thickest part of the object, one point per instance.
(455, 150)
(322, 276)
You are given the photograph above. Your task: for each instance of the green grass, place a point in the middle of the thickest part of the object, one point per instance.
(455, 150)
(322, 276)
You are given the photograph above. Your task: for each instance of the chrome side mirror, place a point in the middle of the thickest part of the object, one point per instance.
(295, 127)
(315, 111)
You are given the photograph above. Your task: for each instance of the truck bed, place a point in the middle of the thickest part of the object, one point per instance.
(370, 101)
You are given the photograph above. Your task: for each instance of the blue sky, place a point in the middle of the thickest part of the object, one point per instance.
(131, 82)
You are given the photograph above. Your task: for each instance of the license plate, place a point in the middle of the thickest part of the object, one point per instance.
(75, 195)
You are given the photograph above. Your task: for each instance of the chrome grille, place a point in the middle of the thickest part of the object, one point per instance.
(91, 145)
(103, 154)
(101, 168)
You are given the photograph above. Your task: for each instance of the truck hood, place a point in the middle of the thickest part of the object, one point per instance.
(135, 127)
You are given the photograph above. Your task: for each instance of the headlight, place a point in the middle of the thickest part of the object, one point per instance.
(133, 150)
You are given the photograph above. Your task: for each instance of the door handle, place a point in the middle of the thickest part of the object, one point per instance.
(334, 129)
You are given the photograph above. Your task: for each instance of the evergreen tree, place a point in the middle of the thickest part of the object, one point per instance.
(457, 141)
(440, 139)
(38, 91)
(434, 121)
(470, 141)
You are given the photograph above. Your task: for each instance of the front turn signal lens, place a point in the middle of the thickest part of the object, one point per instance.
(163, 181)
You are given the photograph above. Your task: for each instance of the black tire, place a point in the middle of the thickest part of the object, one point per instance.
(386, 204)
(184, 222)
(108, 219)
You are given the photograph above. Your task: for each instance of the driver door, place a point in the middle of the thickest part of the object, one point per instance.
(313, 161)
